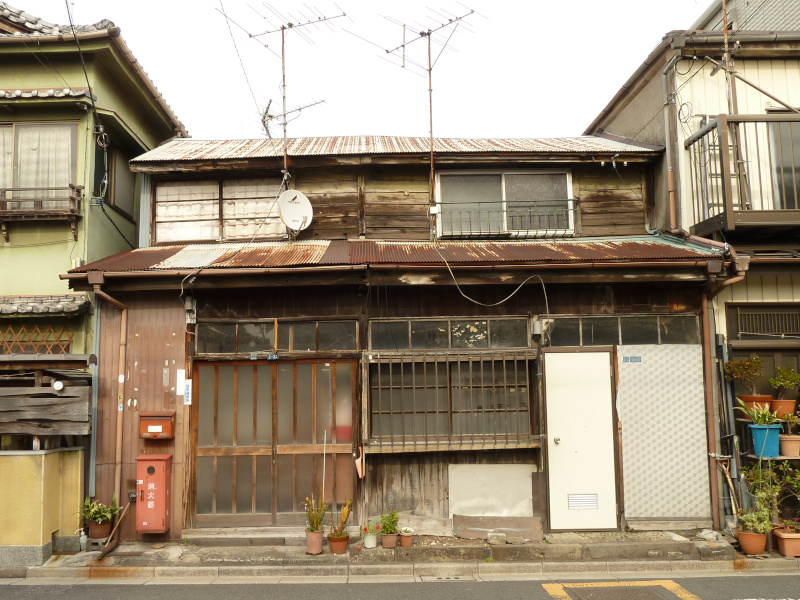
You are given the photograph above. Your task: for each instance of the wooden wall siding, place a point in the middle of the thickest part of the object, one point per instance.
(44, 410)
(756, 288)
(281, 302)
(334, 196)
(156, 350)
(610, 203)
(419, 482)
(396, 204)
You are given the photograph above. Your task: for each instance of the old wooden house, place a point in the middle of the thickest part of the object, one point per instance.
(490, 329)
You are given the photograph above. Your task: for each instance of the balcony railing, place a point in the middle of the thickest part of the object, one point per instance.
(545, 218)
(44, 203)
(745, 172)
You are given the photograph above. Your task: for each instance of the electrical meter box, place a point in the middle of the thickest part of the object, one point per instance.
(157, 425)
(153, 492)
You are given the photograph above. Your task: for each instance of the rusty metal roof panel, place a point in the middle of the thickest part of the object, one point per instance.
(193, 150)
(338, 253)
(131, 260)
(262, 254)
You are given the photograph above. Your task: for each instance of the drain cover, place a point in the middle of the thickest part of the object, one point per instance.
(448, 578)
(617, 593)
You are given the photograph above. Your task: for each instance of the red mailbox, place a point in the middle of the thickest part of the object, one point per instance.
(153, 492)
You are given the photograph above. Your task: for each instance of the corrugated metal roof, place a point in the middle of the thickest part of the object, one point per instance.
(189, 149)
(365, 252)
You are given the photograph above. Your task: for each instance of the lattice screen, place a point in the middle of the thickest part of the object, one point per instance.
(26, 339)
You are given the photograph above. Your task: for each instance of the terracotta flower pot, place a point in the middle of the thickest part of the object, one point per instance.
(406, 540)
(314, 542)
(790, 445)
(99, 530)
(782, 407)
(389, 540)
(762, 400)
(751, 543)
(788, 543)
(338, 544)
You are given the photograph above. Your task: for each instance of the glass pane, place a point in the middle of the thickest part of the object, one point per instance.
(285, 404)
(344, 403)
(785, 158)
(244, 406)
(429, 335)
(564, 332)
(509, 333)
(263, 484)
(337, 335)
(213, 338)
(225, 406)
(205, 406)
(224, 485)
(471, 204)
(256, 337)
(205, 484)
(304, 403)
(603, 331)
(536, 186)
(390, 335)
(264, 407)
(639, 330)
(324, 402)
(244, 484)
(679, 330)
(285, 484)
(305, 480)
(470, 334)
(297, 336)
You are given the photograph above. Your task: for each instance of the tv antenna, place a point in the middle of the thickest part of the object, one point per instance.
(292, 23)
(447, 20)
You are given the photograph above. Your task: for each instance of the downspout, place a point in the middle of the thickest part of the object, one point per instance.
(123, 347)
(710, 430)
(673, 218)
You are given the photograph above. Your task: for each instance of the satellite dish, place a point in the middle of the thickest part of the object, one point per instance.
(295, 210)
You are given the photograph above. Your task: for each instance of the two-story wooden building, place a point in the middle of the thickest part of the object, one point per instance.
(497, 336)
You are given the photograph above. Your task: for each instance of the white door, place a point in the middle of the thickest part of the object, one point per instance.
(580, 440)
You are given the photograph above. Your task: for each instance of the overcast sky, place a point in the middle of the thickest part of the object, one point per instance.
(525, 68)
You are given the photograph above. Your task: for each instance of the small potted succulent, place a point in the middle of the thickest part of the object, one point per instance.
(315, 515)
(406, 536)
(389, 529)
(785, 381)
(98, 516)
(747, 371)
(371, 531)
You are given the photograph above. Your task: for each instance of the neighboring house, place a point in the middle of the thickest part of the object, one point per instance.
(516, 344)
(67, 197)
(734, 156)
(750, 15)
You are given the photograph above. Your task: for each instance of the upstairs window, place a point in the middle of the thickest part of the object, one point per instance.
(505, 204)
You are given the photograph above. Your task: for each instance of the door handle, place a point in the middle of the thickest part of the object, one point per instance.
(556, 440)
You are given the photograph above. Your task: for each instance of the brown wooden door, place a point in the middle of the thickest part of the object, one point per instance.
(260, 431)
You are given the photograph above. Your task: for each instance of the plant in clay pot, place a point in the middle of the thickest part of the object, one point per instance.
(785, 381)
(747, 371)
(389, 529)
(764, 429)
(756, 522)
(99, 516)
(338, 537)
(789, 442)
(371, 531)
(406, 536)
(315, 515)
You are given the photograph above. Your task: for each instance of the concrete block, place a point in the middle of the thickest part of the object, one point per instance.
(575, 567)
(509, 568)
(251, 571)
(25, 556)
(13, 572)
(721, 550)
(185, 572)
(639, 550)
(701, 565)
(122, 572)
(767, 564)
(478, 528)
(66, 543)
(535, 552)
(496, 538)
(382, 570)
(445, 569)
(638, 566)
(315, 570)
(424, 554)
(59, 573)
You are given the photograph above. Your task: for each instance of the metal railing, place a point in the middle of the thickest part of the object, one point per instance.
(745, 164)
(529, 218)
(43, 201)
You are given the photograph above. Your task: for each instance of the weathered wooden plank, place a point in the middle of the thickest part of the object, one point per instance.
(611, 194)
(346, 197)
(409, 221)
(396, 210)
(615, 230)
(397, 197)
(398, 233)
(45, 428)
(404, 185)
(594, 220)
(399, 175)
(315, 175)
(625, 207)
(44, 404)
(316, 187)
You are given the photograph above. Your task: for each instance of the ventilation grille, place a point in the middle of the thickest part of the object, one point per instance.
(582, 501)
(770, 323)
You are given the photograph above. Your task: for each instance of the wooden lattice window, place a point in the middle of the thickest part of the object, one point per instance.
(35, 339)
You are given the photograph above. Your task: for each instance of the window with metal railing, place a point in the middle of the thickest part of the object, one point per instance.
(505, 204)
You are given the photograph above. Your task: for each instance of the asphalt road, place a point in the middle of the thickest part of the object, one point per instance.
(725, 587)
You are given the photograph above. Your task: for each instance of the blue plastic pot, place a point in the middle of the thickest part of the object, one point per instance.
(766, 440)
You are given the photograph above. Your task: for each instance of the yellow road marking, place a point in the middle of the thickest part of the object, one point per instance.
(558, 591)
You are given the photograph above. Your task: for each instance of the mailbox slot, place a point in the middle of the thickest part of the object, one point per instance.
(157, 425)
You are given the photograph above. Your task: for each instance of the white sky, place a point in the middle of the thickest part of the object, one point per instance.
(524, 68)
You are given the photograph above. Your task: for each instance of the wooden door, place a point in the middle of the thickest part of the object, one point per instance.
(268, 434)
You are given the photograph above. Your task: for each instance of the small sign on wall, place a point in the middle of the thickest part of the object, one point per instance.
(187, 394)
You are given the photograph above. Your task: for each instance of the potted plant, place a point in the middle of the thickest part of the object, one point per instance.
(785, 381)
(746, 371)
(788, 538)
(389, 529)
(406, 536)
(371, 531)
(98, 516)
(315, 515)
(789, 442)
(765, 430)
(755, 524)
(338, 537)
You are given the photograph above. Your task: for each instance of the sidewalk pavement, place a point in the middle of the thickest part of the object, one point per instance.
(270, 559)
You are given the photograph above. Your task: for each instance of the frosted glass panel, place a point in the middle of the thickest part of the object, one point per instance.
(225, 407)
(205, 407)
(324, 401)
(244, 484)
(285, 404)
(344, 402)
(224, 484)
(304, 404)
(244, 408)
(263, 484)
(264, 407)
(205, 484)
(285, 484)
(305, 480)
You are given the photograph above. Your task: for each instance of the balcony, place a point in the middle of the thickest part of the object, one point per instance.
(507, 219)
(45, 203)
(744, 172)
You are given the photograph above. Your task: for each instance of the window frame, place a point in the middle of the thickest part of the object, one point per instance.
(450, 348)
(571, 205)
(619, 318)
(74, 142)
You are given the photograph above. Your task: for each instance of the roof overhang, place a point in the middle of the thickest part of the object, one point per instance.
(45, 362)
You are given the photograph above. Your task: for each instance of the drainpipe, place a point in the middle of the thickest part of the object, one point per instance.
(673, 218)
(710, 430)
(97, 279)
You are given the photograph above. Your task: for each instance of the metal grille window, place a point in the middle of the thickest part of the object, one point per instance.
(764, 322)
(457, 401)
(627, 330)
(292, 336)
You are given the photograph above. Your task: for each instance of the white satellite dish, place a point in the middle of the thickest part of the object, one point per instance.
(295, 210)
